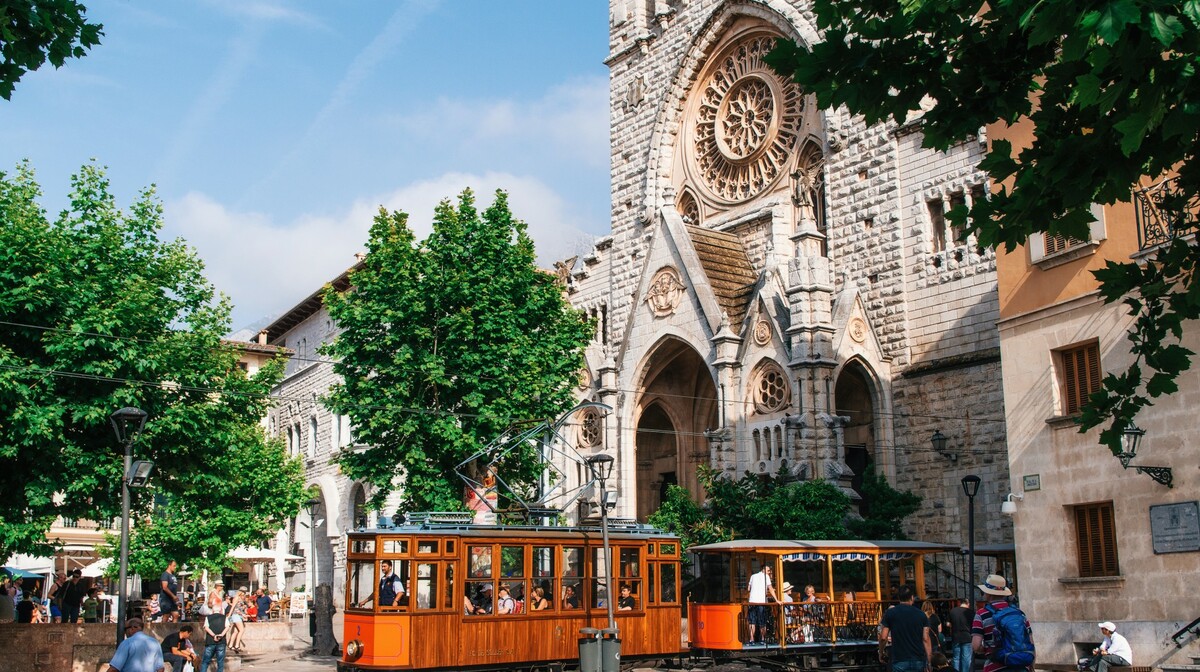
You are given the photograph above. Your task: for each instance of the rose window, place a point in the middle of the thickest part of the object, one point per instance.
(589, 429)
(745, 122)
(771, 391)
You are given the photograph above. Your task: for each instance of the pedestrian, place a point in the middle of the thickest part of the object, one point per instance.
(168, 599)
(762, 591)
(237, 618)
(907, 628)
(177, 649)
(1001, 631)
(1114, 650)
(138, 652)
(57, 591)
(90, 606)
(263, 602)
(8, 608)
(960, 636)
(216, 630)
(73, 593)
(26, 610)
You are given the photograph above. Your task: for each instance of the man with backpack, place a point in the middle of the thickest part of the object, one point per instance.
(1000, 630)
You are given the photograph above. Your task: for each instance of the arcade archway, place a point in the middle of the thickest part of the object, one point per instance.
(854, 398)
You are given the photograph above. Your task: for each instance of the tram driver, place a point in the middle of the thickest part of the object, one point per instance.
(390, 590)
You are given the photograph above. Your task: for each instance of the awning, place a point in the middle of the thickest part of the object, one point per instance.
(895, 556)
(97, 568)
(852, 557)
(21, 573)
(803, 557)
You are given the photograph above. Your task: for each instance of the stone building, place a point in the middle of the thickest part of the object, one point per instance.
(781, 287)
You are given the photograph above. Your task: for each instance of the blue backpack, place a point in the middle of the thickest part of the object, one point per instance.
(1014, 648)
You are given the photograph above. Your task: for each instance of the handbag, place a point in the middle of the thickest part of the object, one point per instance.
(187, 667)
(204, 610)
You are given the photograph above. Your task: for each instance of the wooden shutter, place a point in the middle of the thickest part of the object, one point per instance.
(1096, 540)
(1081, 376)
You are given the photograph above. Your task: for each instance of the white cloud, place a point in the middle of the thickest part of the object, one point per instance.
(267, 266)
(570, 121)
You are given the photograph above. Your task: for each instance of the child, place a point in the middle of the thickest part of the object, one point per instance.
(939, 662)
(90, 603)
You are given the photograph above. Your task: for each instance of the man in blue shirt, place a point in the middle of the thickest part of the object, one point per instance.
(139, 652)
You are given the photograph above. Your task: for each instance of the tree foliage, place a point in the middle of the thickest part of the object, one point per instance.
(97, 313)
(1110, 91)
(445, 343)
(885, 509)
(34, 31)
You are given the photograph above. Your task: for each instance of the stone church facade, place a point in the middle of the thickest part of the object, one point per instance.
(781, 287)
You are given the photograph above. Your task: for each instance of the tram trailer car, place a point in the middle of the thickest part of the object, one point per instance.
(472, 594)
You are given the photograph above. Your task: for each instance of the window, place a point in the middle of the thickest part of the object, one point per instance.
(1095, 536)
(312, 437)
(1050, 250)
(1080, 375)
(957, 233)
(937, 225)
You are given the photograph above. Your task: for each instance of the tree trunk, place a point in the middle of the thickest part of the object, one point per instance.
(324, 643)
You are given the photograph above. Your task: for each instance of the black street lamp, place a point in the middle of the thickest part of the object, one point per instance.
(970, 485)
(601, 467)
(312, 506)
(127, 425)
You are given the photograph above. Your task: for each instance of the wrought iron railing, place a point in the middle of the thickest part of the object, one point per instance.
(1164, 212)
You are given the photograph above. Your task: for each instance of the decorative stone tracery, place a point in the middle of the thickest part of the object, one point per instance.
(772, 393)
(745, 122)
(665, 293)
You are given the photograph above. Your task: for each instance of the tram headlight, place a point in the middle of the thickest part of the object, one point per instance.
(354, 650)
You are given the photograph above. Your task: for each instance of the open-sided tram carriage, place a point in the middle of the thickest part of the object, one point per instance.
(852, 582)
(450, 617)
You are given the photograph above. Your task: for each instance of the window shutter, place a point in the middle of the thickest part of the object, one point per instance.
(1070, 384)
(1096, 540)
(1080, 375)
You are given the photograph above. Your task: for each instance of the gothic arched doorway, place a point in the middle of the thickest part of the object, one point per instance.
(678, 403)
(854, 398)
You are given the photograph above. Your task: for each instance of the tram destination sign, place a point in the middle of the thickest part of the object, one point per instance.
(1175, 528)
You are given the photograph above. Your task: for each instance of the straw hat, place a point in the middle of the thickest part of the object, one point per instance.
(995, 585)
(787, 587)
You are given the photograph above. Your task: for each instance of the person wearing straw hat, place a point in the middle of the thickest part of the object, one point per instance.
(1000, 631)
(1114, 650)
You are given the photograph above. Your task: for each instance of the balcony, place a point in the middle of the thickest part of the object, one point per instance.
(1164, 212)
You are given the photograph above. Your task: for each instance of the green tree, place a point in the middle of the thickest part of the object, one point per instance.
(1110, 89)
(34, 31)
(885, 509)
(445, 344)
(97, 313)
(680, 514)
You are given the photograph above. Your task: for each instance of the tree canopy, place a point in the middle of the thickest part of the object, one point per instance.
(445, 343)
(96, 314)
(34, 31)
(776, 506)
(1110, 91)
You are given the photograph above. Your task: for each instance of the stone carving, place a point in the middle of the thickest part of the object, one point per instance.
(858, 329)
(589, 429)
(746, 122)
(762, 332)
(771, 389)
(665, 293)
(562, 271)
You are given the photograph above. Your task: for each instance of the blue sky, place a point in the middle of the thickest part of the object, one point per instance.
(274, 130)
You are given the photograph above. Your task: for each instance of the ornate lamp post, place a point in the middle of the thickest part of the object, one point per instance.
(312, 506)
(970, 485)
(127, 425)
(601, 467)
(1130, 438)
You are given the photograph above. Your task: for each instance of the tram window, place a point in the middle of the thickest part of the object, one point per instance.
(650, 596)
(362, 582)
(572, 562)
(600, 593)
(713, 585)
(449, 547)
(427, 547)
(630, 562)
(512, 561)
(571, 595)
(546, 588)
(449, 584)
(668, 574)
(628, 595)
(395, 547)
(667, 550)
(515, 592)
(543, 561)
(598, 568)
(481, 561)
(482, 600)
(363, 546)
(427, 578)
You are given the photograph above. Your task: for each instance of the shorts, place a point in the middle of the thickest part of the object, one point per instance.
(167, 607)
(55, 612)
(235, 618)
(757, 614)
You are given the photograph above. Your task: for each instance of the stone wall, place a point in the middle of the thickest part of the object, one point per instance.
(87, 647)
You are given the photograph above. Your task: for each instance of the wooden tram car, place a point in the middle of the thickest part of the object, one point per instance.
(450, 616)
(454, 571)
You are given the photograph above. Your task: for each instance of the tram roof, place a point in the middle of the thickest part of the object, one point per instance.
(471, 530)
(827, 545)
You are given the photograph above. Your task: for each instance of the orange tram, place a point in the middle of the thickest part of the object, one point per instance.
(480, 597)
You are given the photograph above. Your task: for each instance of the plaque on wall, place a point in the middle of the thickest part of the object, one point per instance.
(1031, 482)
(1175, 528)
